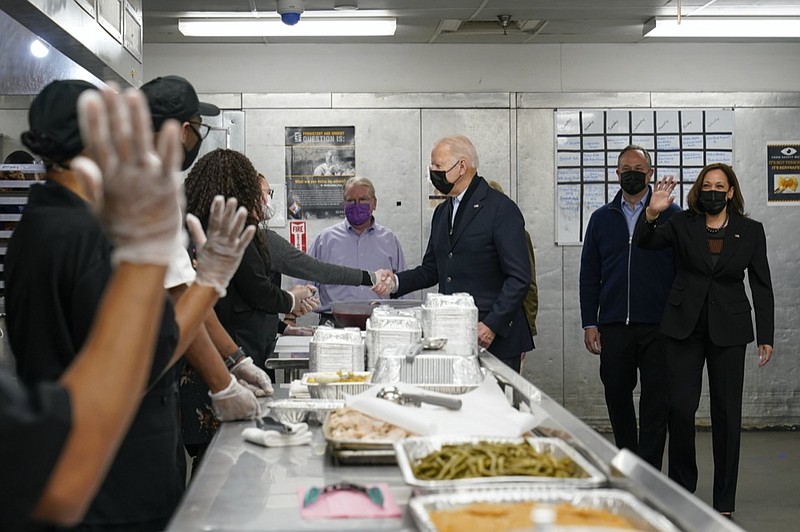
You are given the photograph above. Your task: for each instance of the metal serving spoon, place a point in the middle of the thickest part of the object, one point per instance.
(391, 393)
(428, 344)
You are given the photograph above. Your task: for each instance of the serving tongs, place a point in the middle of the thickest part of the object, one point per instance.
(391, 393)
(269, 423)
(427, 344)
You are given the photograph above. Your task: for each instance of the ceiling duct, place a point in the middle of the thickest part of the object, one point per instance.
(489, 27)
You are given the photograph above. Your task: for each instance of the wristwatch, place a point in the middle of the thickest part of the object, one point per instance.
(232, 360)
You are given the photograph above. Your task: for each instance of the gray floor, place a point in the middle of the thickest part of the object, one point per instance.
(768, 497)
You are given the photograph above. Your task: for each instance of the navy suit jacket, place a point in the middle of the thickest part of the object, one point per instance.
(487, 257)
(697, 281)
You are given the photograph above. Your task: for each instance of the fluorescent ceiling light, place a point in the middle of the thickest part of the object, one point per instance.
(273, 27)
(724, 27)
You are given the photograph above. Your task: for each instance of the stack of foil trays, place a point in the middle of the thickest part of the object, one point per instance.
(336, 349)
(454, 317)
(388, 327)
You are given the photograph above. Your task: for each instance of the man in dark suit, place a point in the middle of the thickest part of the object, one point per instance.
(623, 290)
(477, 245)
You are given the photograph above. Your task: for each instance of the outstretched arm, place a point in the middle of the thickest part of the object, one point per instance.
(137, 199)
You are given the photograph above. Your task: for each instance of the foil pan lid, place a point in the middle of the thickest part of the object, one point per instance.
(459, 299)
(349, 335)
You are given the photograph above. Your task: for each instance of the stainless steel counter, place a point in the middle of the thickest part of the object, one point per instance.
(242, 486)
(245, 487)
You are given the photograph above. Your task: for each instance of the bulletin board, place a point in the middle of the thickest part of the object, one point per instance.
(588, 142)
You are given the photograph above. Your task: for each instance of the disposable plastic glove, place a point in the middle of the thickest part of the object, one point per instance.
(307, 305)
(219, 254)
(386, 283)
(235, 402)
(252, 377)
(304, 300)
(133, 187)
(298, 331)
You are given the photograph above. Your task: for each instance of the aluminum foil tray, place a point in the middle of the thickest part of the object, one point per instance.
(410, 450)
(329, 356)
(355, 444)
(337, 390)
(348, 335)
(379, 339)
(393, 366)
(459, 299)
(454, 317)
(359, 451)
(394, 319)
(615, 501)
(452, 389)
(363, 456)
(297, 410)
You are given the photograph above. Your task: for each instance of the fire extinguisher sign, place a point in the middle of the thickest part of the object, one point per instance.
(297, 234)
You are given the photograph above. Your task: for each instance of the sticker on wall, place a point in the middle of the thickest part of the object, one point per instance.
(319, 160)
(297, 234)
(783, 173)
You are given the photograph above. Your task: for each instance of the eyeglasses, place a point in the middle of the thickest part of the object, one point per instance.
(271, 192)
(203, 130)
(362, 199)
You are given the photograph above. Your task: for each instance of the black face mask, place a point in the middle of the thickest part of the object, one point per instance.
(712, 201)
(190, 155)
(632, 181)
(440, 182)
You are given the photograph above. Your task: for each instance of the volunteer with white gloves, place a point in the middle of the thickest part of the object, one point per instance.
(172, 97)
(65, 438)
(213, 353)
(58, 264)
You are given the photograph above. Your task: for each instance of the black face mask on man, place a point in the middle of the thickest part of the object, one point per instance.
(632, 181)
(713, 201)
(190, 155)
(440, 182)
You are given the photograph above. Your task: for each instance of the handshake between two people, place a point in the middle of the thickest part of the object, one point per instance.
(305, 299)
(384, 282)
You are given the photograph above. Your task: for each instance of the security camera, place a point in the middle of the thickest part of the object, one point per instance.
(290, 11)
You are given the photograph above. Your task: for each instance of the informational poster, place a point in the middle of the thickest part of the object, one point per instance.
(588, 142)
(783, 173)
(319, 160)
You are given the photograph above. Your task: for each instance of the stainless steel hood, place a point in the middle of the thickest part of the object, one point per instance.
(102, 37)
(21, 73)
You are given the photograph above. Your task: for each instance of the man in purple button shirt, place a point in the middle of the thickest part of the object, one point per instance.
(358, 242)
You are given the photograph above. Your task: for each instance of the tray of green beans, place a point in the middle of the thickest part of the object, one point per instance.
(439, 462)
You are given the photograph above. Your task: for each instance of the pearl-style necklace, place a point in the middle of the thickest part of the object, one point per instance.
(715, 230)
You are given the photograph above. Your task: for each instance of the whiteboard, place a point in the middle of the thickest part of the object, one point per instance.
(588, 142)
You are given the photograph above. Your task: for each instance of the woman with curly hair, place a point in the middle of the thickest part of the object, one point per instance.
(251, 297)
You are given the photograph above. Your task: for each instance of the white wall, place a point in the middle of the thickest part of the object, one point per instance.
(478, 68)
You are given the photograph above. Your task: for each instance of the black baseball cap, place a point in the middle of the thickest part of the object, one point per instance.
(53, 119)
(174, 97)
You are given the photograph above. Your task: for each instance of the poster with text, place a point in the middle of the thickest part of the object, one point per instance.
(319, 160)
(783, 172)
